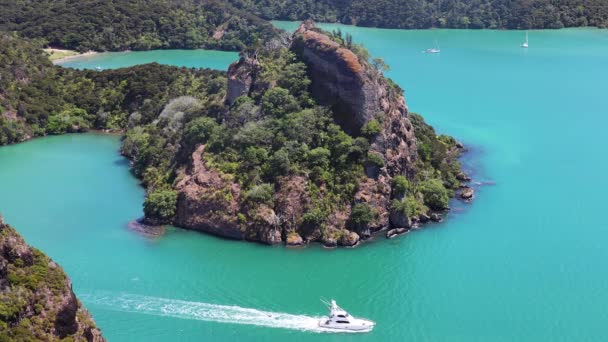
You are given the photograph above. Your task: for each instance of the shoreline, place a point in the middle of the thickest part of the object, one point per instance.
(272, 21)
(76, 54)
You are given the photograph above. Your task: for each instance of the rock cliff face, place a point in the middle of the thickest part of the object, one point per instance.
(207, 201)
(357, 94)
(36, 298)
(241, 77)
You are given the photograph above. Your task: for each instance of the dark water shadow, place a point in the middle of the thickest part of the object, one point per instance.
(144, 230)
(121, 162)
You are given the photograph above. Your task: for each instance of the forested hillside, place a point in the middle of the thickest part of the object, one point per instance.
(38, 98)
(510, 14)
(133, 24)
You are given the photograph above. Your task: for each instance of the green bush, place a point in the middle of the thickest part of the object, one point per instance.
(399, 207)
(160, 205)
(361, 215)
(400, 186)
(319, 157)
(375, 159)
(436, 196)
(314, 217)
(260, 194)
(414, 206)
(371, 128)
(280, 163)
(201, 130)
(72, 120)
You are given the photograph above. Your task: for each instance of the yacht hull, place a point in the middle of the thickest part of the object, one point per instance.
(358, 325)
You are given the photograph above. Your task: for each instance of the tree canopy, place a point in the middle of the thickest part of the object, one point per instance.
(410, 14)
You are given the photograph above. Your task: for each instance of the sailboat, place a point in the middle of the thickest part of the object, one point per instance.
(435, 49)
(525, 44)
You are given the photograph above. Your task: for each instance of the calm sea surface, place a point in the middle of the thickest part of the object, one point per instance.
(525, 262)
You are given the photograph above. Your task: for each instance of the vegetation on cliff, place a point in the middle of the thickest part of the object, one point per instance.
(410, 14)
(132, 24)
(36, 298)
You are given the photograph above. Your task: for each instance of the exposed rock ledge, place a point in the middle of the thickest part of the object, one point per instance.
(36, 298)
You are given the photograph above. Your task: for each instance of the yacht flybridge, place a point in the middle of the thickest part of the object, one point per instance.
(339, 319)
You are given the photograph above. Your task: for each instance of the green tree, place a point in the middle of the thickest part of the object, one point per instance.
(280, 163)
(400, 186)
(160, 205)
(201, 130)
(380, 65)
(278, 101)
(260, 194)
(361, 215)
(319, 157)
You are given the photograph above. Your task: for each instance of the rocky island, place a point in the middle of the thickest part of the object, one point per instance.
(36, 298)
(315, 145)
(302, 140)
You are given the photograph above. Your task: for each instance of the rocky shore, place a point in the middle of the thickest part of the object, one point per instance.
(36, 298)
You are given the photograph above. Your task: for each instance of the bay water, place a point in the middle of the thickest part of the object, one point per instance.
(525, 262)
(183, 58)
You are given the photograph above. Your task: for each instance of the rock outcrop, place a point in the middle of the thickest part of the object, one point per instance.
(36, 298)
(207, 201)
(241, 77)
(467, 193)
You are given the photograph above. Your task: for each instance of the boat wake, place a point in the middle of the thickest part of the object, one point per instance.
(203, 311)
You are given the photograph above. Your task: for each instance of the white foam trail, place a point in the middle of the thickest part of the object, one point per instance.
(204, 311)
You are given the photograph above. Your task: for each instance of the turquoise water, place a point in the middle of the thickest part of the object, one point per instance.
(183, 58)
(525, 262)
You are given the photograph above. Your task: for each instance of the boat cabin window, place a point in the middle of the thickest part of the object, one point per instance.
(345, 322)
(341, 316)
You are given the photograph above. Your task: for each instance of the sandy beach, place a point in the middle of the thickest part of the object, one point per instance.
(60, 55)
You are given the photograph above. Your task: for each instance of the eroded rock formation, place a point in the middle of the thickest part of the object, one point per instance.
(207, 200)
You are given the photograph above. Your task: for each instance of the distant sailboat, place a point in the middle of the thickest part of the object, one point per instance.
(525, 44)
(435, 49)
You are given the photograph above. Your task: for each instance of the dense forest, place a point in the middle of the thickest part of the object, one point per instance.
(496, 14)
(234, 24)
(134, 24)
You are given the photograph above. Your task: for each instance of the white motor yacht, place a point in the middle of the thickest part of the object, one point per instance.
(339, 319)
